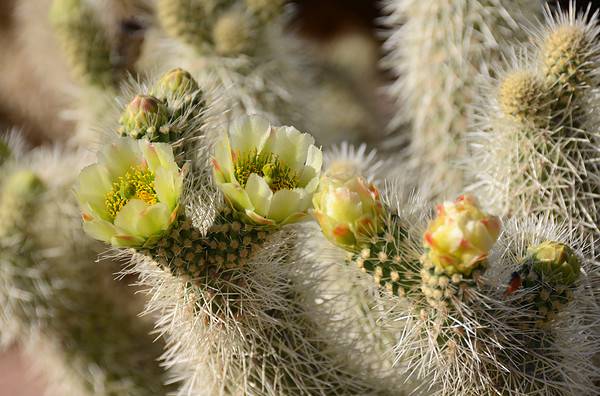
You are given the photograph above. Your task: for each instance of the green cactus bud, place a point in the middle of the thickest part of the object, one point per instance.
(23, 183)
(556, 263)
(521, 96)
(19, 191)
(549, 272)
(232, 34)
(145, 116)
(564, 53)
(176, 82)
(85, 42)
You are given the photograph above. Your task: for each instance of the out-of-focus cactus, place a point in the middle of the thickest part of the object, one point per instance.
(85, 41)
(63, 308)
(435, 48)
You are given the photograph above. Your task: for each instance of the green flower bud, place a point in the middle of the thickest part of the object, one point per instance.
(145, 116)
(555, 262)
(521, 98)
(176, 82)
(23, 183)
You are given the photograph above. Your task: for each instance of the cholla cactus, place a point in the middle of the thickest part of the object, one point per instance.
(536, 147)
(460, 328)
(435, 49)
(63, 308)
(223, 277)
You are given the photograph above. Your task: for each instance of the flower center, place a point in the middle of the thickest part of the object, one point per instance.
(277, 174)
(136, 183)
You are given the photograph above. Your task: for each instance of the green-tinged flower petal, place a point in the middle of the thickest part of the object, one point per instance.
(168, 186)
(249, 133)
(222, 163)
(259, 193)
(153, 220)
(291, 146)
(128, 217)
(94, 183)
(120, 156)
(237, 196)
(100, 229)
(258, 219)
(158, 155)
(283, 203)
(314, 162)
(126, 241)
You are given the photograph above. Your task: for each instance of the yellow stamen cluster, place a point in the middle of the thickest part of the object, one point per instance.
(136, 183)
(277, 174)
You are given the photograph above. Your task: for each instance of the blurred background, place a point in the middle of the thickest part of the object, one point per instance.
(33, 77)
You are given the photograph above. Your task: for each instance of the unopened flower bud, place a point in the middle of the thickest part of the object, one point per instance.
(349, 212)
(460, 237)
(144, 116)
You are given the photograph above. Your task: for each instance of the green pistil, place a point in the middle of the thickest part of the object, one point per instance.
(135, 183)
(277, 174)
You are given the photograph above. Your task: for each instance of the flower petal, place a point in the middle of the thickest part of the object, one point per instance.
(237, 196)
(249, 133)
(290, 146)
(168, 186)
(222, 163)
(93, 184)
(119, 156)
(128, 217)
(153, 220)
(100, 229)
(158, 155)
(260, 194)
(283, 204)
(312, 168)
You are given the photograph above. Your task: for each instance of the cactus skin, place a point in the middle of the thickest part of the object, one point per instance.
(238, 324)
(435, 48)
(85, 42)
(55, 301)
(536, 149)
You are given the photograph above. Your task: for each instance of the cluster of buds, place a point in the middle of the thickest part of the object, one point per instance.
(457, 243)
(153, 116)
(548, 275)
